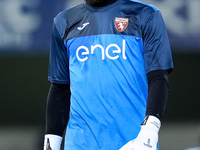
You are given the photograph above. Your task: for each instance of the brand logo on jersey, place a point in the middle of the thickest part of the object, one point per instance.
(121, 23)
(84, 25)
(112, 51)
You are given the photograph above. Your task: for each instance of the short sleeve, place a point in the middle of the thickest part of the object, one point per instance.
(156, 47)
(58, 60)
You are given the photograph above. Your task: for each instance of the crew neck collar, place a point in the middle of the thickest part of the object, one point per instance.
(104, 7)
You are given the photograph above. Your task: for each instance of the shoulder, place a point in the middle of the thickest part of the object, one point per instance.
(143, 11)
(141, 4)
(70, 12)
(68, 17)
(140, 7)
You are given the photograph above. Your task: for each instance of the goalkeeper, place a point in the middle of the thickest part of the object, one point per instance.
(109, 66)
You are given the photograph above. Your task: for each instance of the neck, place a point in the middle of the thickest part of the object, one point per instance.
(100, 3)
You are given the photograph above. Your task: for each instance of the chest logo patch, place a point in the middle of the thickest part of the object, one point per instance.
(121, 23)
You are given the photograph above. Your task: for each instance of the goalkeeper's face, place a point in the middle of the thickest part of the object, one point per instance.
(96, 2)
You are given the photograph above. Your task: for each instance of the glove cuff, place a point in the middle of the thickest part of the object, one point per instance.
(52, 142)
(152, 123)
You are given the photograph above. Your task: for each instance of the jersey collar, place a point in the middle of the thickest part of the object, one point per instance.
(104, 7)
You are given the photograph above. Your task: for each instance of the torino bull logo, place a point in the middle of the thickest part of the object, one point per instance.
(121, 24)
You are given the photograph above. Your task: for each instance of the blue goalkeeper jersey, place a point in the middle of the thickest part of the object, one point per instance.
(105, 54)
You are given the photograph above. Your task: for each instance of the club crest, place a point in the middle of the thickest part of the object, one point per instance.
(121, 24)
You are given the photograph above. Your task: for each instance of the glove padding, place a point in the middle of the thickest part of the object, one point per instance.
(147, 138)
(52, 142)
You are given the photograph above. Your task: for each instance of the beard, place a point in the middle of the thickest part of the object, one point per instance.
(96, 2)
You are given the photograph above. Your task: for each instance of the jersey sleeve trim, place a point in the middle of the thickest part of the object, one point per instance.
(167, 68)
(58, 81)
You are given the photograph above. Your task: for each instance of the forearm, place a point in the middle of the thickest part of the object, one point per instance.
(57, 109)
(158, 89)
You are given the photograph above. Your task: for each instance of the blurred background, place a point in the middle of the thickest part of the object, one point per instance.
(25, 32)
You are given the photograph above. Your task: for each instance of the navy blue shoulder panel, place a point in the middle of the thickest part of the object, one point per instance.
(84, 20)
(67, 18)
